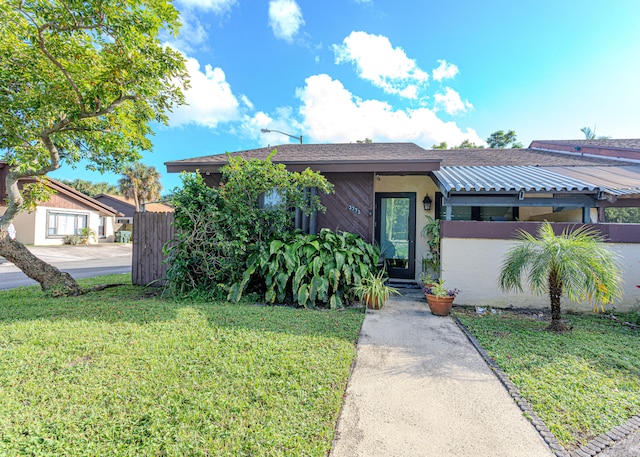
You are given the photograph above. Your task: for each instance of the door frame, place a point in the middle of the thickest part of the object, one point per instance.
(410, 271)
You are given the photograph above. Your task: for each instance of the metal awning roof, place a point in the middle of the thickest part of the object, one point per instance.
(614, 180)
(492, 179)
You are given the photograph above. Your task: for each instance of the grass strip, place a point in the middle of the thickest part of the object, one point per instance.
(581, 384)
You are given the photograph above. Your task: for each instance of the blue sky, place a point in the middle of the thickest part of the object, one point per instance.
(398, 70)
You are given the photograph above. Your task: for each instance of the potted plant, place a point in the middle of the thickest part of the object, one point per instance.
(439, 298)
(428, 279)
(373, 291)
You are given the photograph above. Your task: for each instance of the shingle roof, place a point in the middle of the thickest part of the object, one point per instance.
(614, 180)
(384, 154)
(351, 156)
(518, 157)
(154, 207)
(631, 143)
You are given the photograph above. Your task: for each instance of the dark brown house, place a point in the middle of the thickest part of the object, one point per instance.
(386, 192)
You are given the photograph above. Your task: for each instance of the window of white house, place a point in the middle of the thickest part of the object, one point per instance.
(101, 226)
(60, 224)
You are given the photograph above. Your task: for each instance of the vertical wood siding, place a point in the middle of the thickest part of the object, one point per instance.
(151, 231)
(349, 207)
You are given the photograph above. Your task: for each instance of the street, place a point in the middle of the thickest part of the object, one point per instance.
(78, 261)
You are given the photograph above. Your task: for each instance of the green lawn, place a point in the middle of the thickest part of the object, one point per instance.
(581, 384)
(124, 373)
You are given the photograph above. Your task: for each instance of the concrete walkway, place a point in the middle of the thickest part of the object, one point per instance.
(419, 388)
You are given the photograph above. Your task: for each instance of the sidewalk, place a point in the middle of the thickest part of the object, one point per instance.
(419, 388)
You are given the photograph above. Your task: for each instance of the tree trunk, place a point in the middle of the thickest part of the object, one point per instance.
(50, 278)
(555, 292)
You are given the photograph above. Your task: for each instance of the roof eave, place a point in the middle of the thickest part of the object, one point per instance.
(343, 166)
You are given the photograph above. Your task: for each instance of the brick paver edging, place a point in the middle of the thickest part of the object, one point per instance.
(592, 448)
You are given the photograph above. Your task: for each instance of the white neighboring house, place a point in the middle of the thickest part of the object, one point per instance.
(67, 212)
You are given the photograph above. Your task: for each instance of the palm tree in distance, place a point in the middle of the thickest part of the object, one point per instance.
(576, 262)
(590, 134)
(141, 183)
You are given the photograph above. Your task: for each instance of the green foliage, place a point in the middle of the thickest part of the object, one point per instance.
(590, 134)
(622, 215)
(439, 290)
(83, 81)
(34, 193)
(72, 240)
(431, 259)
(466, 144)
(500, 139)
(245, 181)
(121, 372)
(373, 290)
(442, 145)
(91, 188)
(581, 386)
(141, 183)
(217, 229)
(578, 260)
(86, 236)
(309, 270)
(197, 255)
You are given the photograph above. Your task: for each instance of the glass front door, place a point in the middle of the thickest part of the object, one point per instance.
(396, 232)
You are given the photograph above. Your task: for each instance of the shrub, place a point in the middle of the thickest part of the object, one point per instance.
(218, 228)
(72, 239)
(309, 270)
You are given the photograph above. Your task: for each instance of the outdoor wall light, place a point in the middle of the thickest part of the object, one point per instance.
(426, 202)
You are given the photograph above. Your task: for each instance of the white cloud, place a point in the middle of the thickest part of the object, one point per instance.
(333, 114)
(245, 100)
(451, 102)
(444, 71)
(217, 6)
(210, 99)
(379, 62)
(285, 18)
(192, 33)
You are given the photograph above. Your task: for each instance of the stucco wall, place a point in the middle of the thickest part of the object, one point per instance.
(24, 224)
(421, 185)
(31, 228)
(473, 265)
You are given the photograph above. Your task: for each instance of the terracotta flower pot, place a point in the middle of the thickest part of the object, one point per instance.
(372, 302)
(440, 306)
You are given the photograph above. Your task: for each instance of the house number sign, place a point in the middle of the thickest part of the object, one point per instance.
(354, 209)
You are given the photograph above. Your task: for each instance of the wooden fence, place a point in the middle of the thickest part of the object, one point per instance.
(151, 231)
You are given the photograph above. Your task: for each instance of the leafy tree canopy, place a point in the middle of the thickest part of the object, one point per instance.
(79, 80)
(500, 139)
(442, 145)
(91, 188)
(466, 144)
(83, 80)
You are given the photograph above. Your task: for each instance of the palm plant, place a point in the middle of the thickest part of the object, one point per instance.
(576, 262)
(140, 183)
